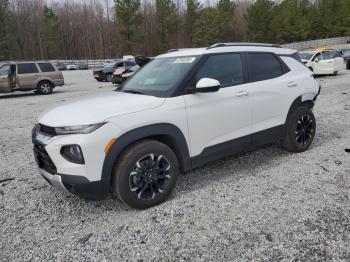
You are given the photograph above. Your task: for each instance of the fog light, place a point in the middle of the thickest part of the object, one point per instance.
(73, 154)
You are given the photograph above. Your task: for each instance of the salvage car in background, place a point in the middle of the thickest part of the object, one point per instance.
(323, 61)
(83, 66)
(24, 76)
(106, 73)
(123, 73)
(60, 66)
(72, 66)
(346, 56)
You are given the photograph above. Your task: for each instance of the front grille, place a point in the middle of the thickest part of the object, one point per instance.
(43, 159)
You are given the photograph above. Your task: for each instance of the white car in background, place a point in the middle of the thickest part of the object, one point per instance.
(72, 66)
(323, 61)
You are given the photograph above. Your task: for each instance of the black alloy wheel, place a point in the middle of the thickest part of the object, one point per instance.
(145, 174)
(300, 130)
(304, 130)
(150, 176)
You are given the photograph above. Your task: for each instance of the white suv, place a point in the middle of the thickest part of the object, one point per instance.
(184, 109)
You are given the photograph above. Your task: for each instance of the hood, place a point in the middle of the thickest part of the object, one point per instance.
(119, 71)
(96, 109)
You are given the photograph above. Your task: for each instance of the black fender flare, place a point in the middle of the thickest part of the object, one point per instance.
(298, 102)
(163, 132)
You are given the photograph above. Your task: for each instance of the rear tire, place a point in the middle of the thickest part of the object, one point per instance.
(145, 174)
(45, 88)
(300, 130)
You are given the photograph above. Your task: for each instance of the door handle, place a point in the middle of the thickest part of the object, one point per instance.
(242, 93)
(292, 84)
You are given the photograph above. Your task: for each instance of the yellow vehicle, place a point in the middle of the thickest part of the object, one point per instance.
(41, 76)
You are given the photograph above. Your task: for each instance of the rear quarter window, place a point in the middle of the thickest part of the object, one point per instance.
(27, 68)
(263, 66)
(46, 67)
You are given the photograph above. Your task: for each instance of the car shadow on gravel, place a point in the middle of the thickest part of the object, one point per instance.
(17, 95)
(29, 94)
(234, 167)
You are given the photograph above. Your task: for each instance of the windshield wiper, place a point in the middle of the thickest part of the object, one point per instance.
(132, 91)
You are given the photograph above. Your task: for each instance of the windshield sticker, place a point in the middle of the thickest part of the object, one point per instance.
(182, 60)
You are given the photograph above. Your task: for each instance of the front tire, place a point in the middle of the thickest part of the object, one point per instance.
(109, 77)
(145, 174)
(45, 88)
(300, 130)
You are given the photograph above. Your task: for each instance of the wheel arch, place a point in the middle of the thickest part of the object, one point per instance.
(45, 80)
(168, 134)
(301, 101)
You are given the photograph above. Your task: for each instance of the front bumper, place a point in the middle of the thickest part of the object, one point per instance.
(99, 75)
(84, 180)
(77, 185)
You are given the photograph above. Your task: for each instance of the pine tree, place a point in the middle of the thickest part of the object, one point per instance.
(328, 18)
(207, 28)
(4, 29)
(51, 34)
(166, 22)
(129, 19)
(259, 17)
(192, 13)
(226, 12)
(292, 21)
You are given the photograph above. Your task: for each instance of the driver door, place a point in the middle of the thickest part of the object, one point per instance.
(219, 122)
(5, 78)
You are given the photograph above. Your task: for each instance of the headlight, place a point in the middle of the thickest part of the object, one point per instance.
(84, 129)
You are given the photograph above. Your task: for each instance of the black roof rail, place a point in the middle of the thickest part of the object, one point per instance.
(172, 50)
(242, 44)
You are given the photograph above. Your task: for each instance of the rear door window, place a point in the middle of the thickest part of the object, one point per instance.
(27, 68)
(226, 68)
(263, 66)
(46, 67)
(326, 55)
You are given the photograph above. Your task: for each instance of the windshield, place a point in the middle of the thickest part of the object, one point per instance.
(160, 75)
(112, 64)
(135, 68)
(306, 56)
(4, 69)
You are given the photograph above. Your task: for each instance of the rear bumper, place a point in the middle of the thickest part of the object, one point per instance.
(318, 93)
(77, 185)
(59, 82)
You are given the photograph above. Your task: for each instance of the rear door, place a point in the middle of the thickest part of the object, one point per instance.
(5, 78)
(27, 75)
(324, 63)
(49, 72)
(272, 88)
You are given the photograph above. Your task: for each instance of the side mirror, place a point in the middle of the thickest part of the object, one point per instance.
(316, 60)
(207, 85)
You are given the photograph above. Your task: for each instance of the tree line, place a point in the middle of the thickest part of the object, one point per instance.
(92, 29)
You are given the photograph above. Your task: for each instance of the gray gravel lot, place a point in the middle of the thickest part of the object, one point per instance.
(268, 205)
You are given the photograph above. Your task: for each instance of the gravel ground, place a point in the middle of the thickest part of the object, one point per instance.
(268, 205)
